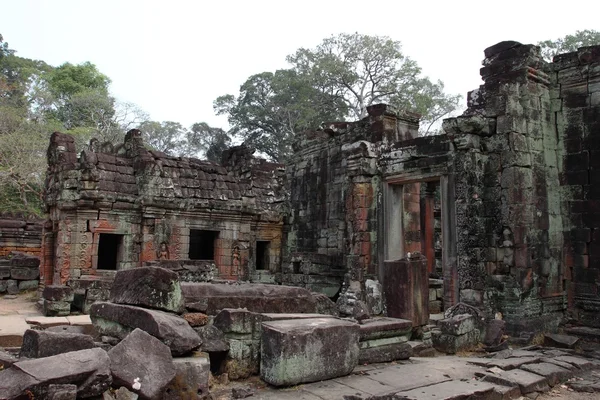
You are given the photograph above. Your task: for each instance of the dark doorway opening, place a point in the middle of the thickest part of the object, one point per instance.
(202, 244)
(262, 255)
(109, 251)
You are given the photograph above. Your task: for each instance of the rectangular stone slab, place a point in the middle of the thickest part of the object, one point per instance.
(119, 320)
(211, 298)
(451, 390)
(307, 350)
(377, 328)
(528, 382)
(552, 372)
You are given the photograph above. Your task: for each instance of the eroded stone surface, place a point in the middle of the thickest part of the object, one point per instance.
(119, 320)
(143, 364)
(307, 350)
(37, 344)
(150, 287)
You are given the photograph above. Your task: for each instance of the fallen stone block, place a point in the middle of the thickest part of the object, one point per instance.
(494, 331)
(151, 287)
(24, 273)
(324, 305)
(377, 328)
(88, 369)
(37, 344)
(191, 379)
(212, 339)
(14, 383)
(560, 341)
(142, 364)
(553, 373)
(457, 325)
(307, 350)
(210, 298)
(58, 293)
(119, 320)
(451, 343)
(56, 308)
(385, 353)
(528, 382)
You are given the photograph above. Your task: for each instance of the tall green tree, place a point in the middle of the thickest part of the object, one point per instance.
(272, 108)
(569, 43)
(336, 80)
(205, 139)
(167, 136)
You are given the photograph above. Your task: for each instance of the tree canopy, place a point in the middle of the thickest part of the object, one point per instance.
(569, 43)
(336, 80)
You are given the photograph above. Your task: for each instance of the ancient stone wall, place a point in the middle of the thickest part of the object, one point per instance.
(514, 175)
(334, 189)
(20, 233)
(576, 104)
(116, 208)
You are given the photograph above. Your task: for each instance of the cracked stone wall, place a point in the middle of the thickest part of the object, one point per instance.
(152, 205)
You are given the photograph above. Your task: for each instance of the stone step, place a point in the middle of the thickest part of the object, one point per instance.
(12, 329)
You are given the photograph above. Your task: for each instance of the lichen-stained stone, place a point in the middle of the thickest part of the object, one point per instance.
(37, 344)
(88, 369)
(211, 298)
(191, 379)
(384, 352)
(150, 287)
(307, 350)
(119, 320)
(58, 293)
(457, 325)
(143, 364)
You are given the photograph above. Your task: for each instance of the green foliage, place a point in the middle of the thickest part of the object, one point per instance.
(37, 99)
(337, 80)
(212, 141)
(166, 136)
(273, 107)
(570, 43)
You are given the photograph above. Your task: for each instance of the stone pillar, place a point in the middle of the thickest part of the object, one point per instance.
(406, 289)
(428, 228)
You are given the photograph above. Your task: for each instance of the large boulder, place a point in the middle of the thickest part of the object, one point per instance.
(88, 369)
(37, 344)
(307, 350)
(210, 298)
(142, 364)
(150, 287)
(119, 320)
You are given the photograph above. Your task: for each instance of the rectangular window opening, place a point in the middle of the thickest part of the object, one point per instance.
(109, 251)
(262, 255)
(202, 244)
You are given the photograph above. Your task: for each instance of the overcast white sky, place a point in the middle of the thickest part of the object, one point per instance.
(173, 58)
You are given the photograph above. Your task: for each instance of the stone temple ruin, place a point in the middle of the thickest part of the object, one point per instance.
(496, 219)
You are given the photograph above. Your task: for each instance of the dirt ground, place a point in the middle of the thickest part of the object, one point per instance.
(24, 304)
